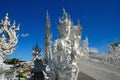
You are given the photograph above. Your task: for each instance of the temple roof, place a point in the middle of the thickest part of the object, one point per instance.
(115, 43)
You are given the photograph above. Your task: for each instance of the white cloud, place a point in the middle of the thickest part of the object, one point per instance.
(24, 35)
(93, 50)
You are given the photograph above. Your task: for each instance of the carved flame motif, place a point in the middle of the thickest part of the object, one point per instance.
(8, 37)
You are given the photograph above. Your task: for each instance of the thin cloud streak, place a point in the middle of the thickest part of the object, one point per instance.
(25, 35)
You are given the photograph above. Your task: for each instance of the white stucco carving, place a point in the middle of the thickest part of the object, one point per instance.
(8, 40)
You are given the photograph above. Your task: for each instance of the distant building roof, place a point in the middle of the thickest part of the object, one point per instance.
(115, 43)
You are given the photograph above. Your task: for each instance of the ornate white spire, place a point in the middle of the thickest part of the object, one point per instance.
(8, 40)
(47, 52)
(36, 51)
(64, 25)
(79, 28)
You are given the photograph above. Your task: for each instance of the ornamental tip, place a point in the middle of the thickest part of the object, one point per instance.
(13, 25)
(6, 14)
(46, 12)
(86, 38)
(6, 17)
(47, 16)
(14, 22)
(65, 15)
(64, 10)
(60, 20)
(78, 23)
(19, 25)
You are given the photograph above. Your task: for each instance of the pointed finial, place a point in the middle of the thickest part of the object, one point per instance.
(13, 25)
(47, 16)
(6, 14)
(18, 27)
(36, 45)
(86, 37)
(6, 17)
(64, 10)
(47, 19)
(65, 16)
(79, 26)
(14, 22)
(47, 13)
(60, 20)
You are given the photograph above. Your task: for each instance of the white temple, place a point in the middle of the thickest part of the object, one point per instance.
(68, 55)
(62, 55)
(65, 57)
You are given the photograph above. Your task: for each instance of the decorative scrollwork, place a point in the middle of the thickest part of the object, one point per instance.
(8, 39)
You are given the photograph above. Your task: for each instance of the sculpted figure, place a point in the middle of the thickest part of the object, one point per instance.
(64, 50)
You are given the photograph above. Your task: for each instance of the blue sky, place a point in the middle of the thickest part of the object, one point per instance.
(100, 20)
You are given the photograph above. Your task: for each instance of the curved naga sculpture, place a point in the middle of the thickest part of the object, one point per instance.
(8, 39)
